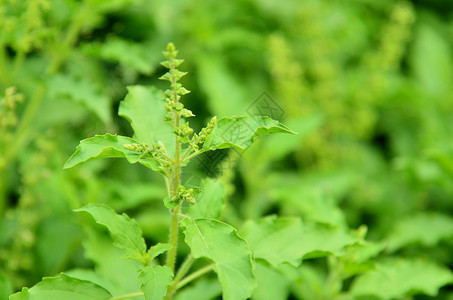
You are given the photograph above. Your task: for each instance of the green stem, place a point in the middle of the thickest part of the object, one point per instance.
(171, 258)
(184, 268)
(181, 272)
(194, 276)
(173, 240)
(192, 156)
(131, 295)
(175, 183)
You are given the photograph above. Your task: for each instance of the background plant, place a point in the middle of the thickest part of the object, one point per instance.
(367, 82)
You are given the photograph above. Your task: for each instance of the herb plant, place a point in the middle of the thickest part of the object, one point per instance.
(357, 206)
(164, 142)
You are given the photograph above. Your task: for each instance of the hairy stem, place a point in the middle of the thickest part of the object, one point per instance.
(173, 241)
(181, 272)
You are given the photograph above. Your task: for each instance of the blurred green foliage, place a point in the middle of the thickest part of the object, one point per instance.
(367, 84)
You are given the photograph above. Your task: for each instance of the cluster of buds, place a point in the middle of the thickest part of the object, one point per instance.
(183, 132)
(174, 108)
(182, 195)
(201, 137)
(185, 195)
(8, 106)
(156, 150)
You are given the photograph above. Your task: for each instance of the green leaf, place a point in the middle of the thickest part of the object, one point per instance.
(107, 146)
(424, 228)
(396, 278)
(125, 232)
(62, 287)
(211, 202)
(220, 243)
(143, 107)
(239, 132)
(93, 276)
(155, 280)
(157, 250)
(288, 240)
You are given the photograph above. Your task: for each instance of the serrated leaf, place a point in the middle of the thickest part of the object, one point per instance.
(220, 243)
(239, 132)
(62, 287)
(288, 240)
(155, 280)
(107, 146)
(211, 202)
(125, 232)
(396, 278)
(424, 228)
(143, 107)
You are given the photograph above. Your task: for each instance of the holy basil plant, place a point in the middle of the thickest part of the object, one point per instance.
(164, 142)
